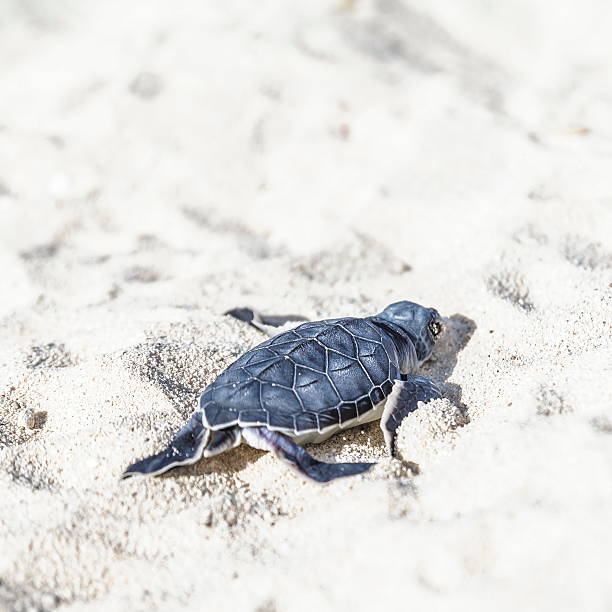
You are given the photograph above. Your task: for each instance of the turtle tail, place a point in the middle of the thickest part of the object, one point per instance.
(186, 448)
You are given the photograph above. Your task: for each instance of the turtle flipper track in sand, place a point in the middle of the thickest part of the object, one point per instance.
(302, 462)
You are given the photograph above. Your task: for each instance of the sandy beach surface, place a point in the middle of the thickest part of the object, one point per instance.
(163, 162)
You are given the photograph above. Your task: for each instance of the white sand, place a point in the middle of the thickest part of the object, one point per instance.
(161, 162)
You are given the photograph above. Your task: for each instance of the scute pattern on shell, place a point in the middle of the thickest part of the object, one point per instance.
(314, 376)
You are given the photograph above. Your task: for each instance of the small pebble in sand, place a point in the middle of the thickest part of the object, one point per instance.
(31, 419)
(146, 85)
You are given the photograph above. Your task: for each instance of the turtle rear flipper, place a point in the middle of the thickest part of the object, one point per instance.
(268, 324)
(186, 448)
(305, 464)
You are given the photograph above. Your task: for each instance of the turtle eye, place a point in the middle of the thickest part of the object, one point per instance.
(435, 327)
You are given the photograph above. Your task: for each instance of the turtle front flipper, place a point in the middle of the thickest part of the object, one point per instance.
(403, 400)
(268, 324)
(186, 448)
(305, 464)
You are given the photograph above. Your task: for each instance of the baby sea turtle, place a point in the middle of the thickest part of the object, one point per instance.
(304, 385)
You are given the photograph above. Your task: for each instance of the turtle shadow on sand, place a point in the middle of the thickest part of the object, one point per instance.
(229, 464)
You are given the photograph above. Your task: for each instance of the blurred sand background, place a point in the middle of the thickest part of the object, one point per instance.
(161, 162)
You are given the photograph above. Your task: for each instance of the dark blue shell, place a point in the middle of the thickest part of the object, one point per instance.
(319, 374)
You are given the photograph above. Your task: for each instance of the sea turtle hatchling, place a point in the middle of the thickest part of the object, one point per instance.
(305, 384)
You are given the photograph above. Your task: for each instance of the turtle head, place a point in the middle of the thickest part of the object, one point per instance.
(422, 325)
